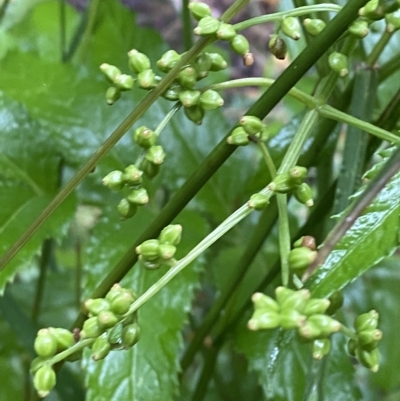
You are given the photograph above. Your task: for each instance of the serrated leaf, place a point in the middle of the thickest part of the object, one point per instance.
(149, 370)
(373, 236)
(29, 177)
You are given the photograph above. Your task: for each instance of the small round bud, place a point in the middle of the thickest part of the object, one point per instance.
(370, 359)
(91, 328)
(294, 300)
(291, 319)
(65, 339)
(44, 380)
(106, 319)
(110, 71)
(277, 46)
(210, 100)
(308, 241)
(239, 137)
(336, 300)
(171, 234)
(218, 63)
(130, 335)
(112, 95)
(155, 155)
(325, 323)
(316, 306)
(114, 180)
(45, 343)
(248, 59)
(321, 348)
(240, 45)
(314, 26)
(369, 339)
(126, 209)
(95, 306)
(150, 169)
(338, 63)
(359, 29)
(138, 196)
(303, 194)
(115, 290)
(138, 62)
(100, 348)
(188, 77)
(202, 64)
(393, 21)
(367, 321)
(167, 251)
(149, 249)
(195, 114)
(226, 31)
(291, 27)
(172, 93)
(132, 175)
(147, 79)
(352, 346)
(251, 124)
(258, 201)
(199, 10)
(262, 301)
(121, 303)
(124, 82)
(144, 137)
(301, 258)
(189, 98)
(262, 319)
(151, 264)
(207, 26)
(168, 60)
(372, 10)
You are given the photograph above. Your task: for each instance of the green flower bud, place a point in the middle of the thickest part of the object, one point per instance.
(285, 182)
(218, 63)
(189, 98)
(149, 249)
(151, 264)
(195, 114)
(95, 306)
(369, 359)
(264, 302)
(91, 328)
(121, 303)
(167, 251)
(132, 175)
(114, 180)
(372, 10)
(138, 62)
(338, 63)
(44, 380)
(172, 93)
(138, 196)
(325, 323)
(263, 319)
(144, 137)
(171, 234)
(291, 319)
(336, 300)
(112, 95)
(352, 346)
(310, 331)
(45, 343)
(110, 71)
(248, 59)
(301, 258)
(393, 21)
(238, 137)
(291, 27)
(282, 293)
(321, 348)
(240, 45)
(115, 290)
(303, 194)
(150, 169)
(168, 60)
(202, 64)
(126, 209)
(296, 300)
(277, 46)
(308, 241)
(367, 321)
(369, 339)
(210, 100)
(226, 31)
(106, 319)
(298, 174)
(155, 155)
(124, 82)
(199, 10)
(359, 29)
(65, 339)
(147, 79)
(130, 335)
(100, 348)
(316, 306)
(314, 26)
(251, 124)
(258, 201)
(264, 134)
(188, 77)
(207, 26)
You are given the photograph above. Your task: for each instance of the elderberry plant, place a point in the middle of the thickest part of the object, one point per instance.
(310, 266)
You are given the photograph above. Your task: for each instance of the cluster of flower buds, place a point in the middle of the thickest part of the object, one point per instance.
(208, 25)
(157, 252)
(302, 255)
(364, 345)
(295, 310)
(120, 82)
(251, 129)
(293, 181)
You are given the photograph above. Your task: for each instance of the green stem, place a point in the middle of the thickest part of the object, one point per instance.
(268, 159)
(348, 332)
(296, 12)
(389, 68)
(284, 237)
(297, 94)
(222, 151)
(378, 48)
(330, 112)
(3, 8)
(186, 26)
(255, 242)
(164, 122)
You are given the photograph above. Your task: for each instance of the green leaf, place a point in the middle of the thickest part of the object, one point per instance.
(149, 369)
(373, 236)
(29, 178)
(280, 361)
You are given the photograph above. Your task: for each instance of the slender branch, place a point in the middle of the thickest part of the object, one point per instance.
(379, 47)
(186, 26)
(373, 188)
(296, 12)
